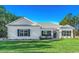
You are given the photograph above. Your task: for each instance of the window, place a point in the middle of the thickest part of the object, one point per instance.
(46, 33)
(23, 32)
(66, 33)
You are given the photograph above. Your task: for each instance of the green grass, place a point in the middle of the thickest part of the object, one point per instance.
(47, 46)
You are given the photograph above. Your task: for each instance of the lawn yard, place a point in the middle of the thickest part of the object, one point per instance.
(64, 45)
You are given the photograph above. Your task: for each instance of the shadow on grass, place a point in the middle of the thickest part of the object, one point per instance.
(27, 41)
(25, 46)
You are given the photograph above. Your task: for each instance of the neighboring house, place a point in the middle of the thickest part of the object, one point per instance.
(24, 28)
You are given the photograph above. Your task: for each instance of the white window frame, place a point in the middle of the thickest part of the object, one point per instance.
(66, 33)
(23, 32)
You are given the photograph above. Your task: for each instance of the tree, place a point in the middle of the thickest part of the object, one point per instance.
(67, 19)
(5, 18)
(70, 20)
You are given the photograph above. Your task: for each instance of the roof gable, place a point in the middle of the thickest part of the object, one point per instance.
(21, 21)
(66, 27)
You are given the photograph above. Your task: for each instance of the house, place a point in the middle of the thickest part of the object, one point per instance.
(24, 28)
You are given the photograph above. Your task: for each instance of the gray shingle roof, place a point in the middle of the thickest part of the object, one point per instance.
(48, 25)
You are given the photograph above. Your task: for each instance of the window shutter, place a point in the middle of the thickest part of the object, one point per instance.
(28, 32)
(18, 32)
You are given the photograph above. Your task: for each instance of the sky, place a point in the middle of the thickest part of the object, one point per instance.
(43, 13)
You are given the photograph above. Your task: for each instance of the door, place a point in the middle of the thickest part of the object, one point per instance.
(55, 35)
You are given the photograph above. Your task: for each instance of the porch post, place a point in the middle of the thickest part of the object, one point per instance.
(71, 33)
(52, 34)
(60, 34)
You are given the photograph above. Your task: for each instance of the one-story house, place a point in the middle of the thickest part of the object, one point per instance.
(24, 28)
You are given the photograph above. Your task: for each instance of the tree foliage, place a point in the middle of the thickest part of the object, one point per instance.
(69, 19)
(5, 18)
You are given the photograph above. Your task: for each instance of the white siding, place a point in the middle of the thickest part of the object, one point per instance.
(65, 28)
(60, 33)
(34, 32)
(21, 21)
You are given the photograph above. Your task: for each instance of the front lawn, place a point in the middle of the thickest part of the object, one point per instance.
(64, 45)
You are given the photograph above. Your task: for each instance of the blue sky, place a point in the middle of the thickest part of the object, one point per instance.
(43, 13)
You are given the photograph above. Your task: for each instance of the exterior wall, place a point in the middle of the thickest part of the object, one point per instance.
(34, 32)
(48, 29)
(52, 32)
(60, 33)
(57, 34)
